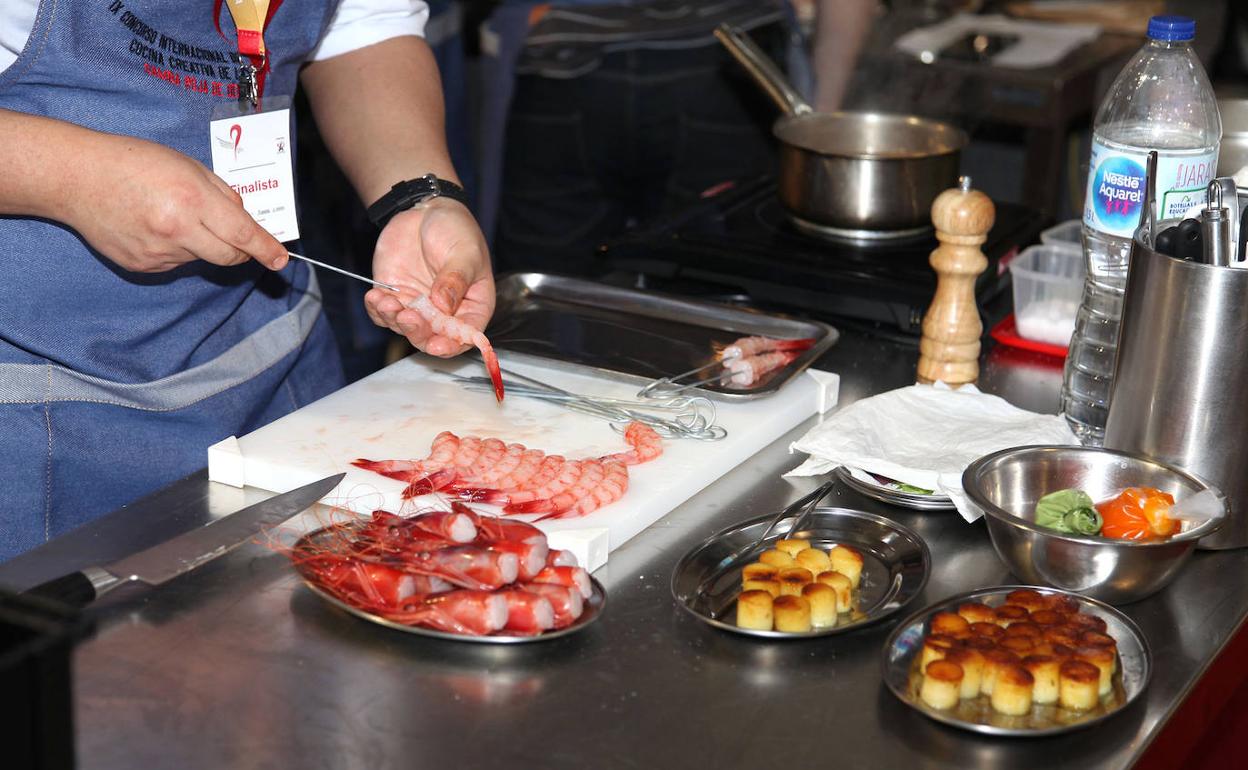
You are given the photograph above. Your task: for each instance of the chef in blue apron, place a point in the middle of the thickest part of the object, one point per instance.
(144, 314)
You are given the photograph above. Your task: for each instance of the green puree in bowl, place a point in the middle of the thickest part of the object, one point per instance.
(1069, 511)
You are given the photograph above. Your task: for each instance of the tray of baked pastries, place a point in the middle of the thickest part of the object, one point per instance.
(843, 570)
(1017, 661)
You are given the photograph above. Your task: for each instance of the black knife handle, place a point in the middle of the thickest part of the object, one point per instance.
(74, 589)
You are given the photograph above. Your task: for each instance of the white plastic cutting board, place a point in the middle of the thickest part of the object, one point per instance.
(396, 412)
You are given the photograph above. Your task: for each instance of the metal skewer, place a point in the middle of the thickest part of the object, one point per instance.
(347, 273)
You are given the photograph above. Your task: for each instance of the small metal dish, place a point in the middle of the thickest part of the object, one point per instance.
(594, 607)
(1135, 668)
(1005, 485)
(932, 502)
(896, 564)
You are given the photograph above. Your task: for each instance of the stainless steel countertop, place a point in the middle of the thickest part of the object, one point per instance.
(236, 665)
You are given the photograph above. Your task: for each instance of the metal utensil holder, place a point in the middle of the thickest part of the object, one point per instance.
(1179, 382)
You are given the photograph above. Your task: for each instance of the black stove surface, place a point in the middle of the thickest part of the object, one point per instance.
(740, 239)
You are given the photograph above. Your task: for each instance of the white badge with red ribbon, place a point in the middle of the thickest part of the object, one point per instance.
(252, 153)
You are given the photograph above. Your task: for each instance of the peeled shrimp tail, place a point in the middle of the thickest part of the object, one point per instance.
(449, 326)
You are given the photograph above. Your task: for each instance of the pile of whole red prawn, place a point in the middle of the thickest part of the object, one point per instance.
(522, 480)
(454, 571)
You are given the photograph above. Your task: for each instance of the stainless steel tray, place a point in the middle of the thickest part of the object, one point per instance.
(636, 336)
(594, 607)
(932, 502)
(1135, 667)
(896, 564)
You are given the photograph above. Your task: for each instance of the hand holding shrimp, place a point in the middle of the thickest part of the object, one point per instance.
(435, 255)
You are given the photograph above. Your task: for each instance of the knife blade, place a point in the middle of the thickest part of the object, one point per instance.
(181, 554)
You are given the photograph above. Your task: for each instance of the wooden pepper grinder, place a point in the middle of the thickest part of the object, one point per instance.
(949, 350)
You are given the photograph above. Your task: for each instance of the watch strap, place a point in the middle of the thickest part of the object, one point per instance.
(408, 193)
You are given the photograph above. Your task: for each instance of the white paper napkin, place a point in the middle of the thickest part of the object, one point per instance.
(925, 435)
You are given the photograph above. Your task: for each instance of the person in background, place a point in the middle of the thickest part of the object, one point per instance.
(602, 115)
(147, 315)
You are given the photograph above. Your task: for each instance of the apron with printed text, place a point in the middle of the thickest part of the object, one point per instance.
(113, 384)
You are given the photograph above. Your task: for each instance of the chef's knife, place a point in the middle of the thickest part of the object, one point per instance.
(187, 551)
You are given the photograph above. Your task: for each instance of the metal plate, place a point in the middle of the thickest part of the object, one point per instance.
(1135, 667)
(884, 494)
(896, 564)
(636, 336)
(593, 608)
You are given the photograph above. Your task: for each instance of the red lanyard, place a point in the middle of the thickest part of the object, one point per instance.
(251, 17)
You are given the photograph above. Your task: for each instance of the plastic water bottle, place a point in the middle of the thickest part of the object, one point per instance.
(1160, 101)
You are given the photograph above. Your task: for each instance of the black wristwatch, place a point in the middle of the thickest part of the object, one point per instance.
(406, 194)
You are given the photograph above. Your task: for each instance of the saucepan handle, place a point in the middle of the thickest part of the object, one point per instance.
(762, 69)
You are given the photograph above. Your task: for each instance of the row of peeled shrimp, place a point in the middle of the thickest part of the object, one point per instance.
(522, 480)
(749, 359)
(454, 571)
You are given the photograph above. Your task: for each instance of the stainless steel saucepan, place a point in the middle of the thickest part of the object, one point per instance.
(862, 175)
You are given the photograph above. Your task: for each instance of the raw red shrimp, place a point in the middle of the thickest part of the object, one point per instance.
(427, 485)
(612, 487)
(592, 472)
(645, 442)
(560, 558)
(474, 613)
(512, 455)
(571, 577)
(401, 470)
(377, 585)
(467, 566)
(567, 603)
(532, 500)
(752, 346)
(494, 528)
(530, 463)
(530, 556)
(527, 613)
(747, 371)
(453, 525)
(449, 326)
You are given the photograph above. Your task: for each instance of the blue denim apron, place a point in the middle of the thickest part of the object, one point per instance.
(113, 384)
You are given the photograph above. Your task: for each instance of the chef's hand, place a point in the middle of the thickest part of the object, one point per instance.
(149, 209)
(435, 248)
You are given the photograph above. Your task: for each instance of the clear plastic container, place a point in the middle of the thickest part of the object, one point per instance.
(1068, 234)
(1048, 283)
(1162, 101)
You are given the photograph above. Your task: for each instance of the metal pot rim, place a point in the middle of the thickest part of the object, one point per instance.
(999, 513)
(958, 138)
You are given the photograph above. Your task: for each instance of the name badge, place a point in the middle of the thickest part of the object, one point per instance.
(252, 153)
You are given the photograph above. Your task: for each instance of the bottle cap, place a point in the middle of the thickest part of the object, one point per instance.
(1171, 28)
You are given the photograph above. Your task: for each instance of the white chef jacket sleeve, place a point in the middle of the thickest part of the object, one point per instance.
(360, 23)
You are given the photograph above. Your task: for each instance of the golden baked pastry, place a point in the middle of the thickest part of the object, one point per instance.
(994, 661)
(776, 558)
(792, 547)
(1012, 690)
(823, 604)
(848, 562)
(990, 630)
(1047, 618)
(1078, 685)
(1024, 628)
(792, 579)
(1019, 645)
(814, 560)
(1010, 613)
(1044, 670)
(1087, 622)
(791, 614)
(844, 590)
(770, 586)
(754, 610)
(1027, 599)
(972, 662)
(942, 684)
(934, 648)
(759, 571)
(1065, 605)
(1103, 659)
(976, 612)
(949, 623)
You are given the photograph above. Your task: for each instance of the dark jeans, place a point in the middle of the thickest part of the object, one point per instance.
(644, 134)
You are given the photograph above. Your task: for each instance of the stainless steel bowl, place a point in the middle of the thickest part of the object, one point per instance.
(1005, 485)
